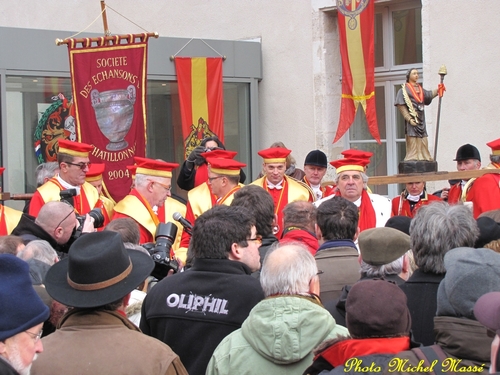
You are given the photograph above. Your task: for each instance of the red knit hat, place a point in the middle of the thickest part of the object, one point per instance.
(95, 172)
(275, 154)
(222, 154)
(350, 164)
(225, 166)
(74, 148)
(132, 169)
(1, 170)
(153, 167)
(355, 153)
(495, 146)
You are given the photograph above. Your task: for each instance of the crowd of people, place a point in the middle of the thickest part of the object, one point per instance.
(285, 275)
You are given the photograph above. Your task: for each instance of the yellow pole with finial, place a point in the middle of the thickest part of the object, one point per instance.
(442, 72)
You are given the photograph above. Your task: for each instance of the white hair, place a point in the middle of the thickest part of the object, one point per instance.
(39, 250)
(288, 270)
(393, 268)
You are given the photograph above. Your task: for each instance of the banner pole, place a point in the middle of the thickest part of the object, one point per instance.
(104, 18)
(442, 72)
(106, 38)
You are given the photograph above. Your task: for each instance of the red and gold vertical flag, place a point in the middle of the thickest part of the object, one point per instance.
(200, 97)
(109, 97)
(356, 32)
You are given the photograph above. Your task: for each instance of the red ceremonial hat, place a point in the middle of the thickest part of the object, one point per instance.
(350, 164)
(95, 172)
(74, 148)
(274, 154)
(221, 154)
(132, 169)
(1, 170)
(355, 153)
(495, 146)
(225, 166)
(153, 167)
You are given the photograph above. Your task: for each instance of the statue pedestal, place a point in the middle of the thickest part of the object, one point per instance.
(417, 166)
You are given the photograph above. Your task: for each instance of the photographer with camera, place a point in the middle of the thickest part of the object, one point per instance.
(95, 337)
(194, 171)
(56, 223)
(152, 188)
(193, 311)
(74, 163)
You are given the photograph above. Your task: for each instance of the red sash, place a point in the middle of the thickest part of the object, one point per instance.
(367, 216)
(3, 224)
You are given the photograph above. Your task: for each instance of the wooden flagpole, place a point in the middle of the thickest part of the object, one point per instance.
(108, 38)
(104, 18)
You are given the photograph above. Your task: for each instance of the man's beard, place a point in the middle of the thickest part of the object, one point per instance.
(16, 361)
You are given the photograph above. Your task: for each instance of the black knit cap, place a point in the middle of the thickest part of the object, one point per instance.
(399, 222)
(489, 230)
(316, 158)
(466, 152)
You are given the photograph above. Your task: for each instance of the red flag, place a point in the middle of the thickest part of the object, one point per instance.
(356, 31)
(200, 97)
(109, 96)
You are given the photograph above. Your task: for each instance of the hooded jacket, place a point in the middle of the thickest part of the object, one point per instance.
(277, 338)
(463, 341)
(29, 231)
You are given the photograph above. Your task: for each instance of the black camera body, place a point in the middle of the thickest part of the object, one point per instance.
(67, 196)
(96, 213)
(160, 250)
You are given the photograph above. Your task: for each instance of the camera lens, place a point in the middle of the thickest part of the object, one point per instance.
(98, 217)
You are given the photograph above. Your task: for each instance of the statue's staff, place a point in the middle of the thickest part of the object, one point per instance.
(441, 89)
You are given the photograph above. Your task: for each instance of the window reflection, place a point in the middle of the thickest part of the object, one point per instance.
(407, 31)
(379, 40)
(28, 99)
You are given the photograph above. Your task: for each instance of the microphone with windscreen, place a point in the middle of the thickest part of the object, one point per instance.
(188, 227)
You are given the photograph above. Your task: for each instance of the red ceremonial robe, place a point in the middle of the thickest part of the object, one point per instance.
(292, 190)
(84, 202)
(455, 192)
(135, 206)
(485, 194)
(405, 206)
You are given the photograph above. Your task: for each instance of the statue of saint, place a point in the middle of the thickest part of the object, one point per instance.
(410, 100)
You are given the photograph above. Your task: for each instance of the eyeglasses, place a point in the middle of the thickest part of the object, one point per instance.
(257, 239)
(34, 336)
(167, 188)
(210, 179)
(68, 215)
(82, 166)
(317, 274)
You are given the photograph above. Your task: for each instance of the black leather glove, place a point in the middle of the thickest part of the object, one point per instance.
(195, 155)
